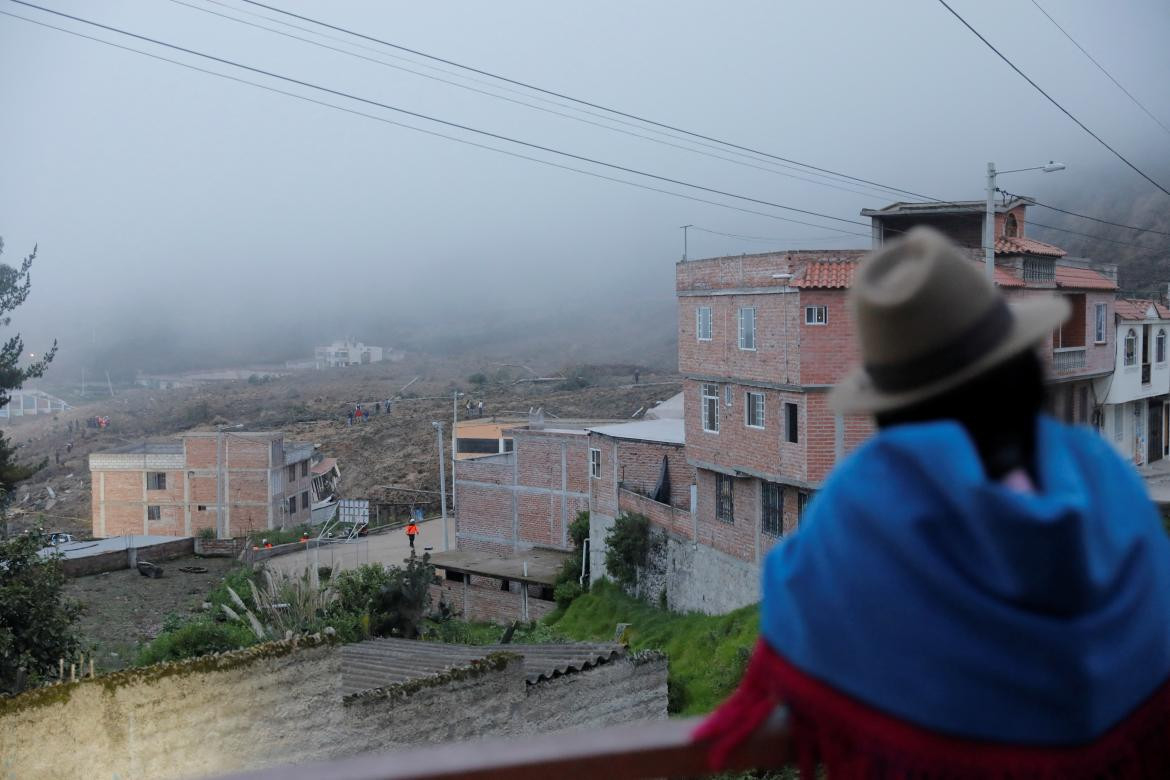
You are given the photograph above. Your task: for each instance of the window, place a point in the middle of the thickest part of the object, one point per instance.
(728, 396)
(304, 468)
(509, 445)
(201, 508)
(802, 499)
(595, 463)
(1037, 269)
(816, 315)
(1118, 422)
(791, 423)
(153, 513)
(1131, 347)
(1160, 347)
(1011, 227)
(477, 446)
(292, 473)
(747, 327)
(724, 498)
(772, 508)
(292, 505)
(156, 480)
(305, 500)
(710, 408)
(1072, 332)
(753, 410)
(703, 323)
(1099, 324)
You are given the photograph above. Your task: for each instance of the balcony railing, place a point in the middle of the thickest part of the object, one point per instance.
(1068, 358)
(625, 752)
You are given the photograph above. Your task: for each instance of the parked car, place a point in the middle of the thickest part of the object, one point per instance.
(58, 539)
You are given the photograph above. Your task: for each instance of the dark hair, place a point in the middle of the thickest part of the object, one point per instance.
(997, 408)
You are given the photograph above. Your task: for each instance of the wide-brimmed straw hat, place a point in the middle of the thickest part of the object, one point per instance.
(928, 319)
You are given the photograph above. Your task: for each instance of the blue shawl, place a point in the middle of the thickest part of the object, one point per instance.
(919, 587)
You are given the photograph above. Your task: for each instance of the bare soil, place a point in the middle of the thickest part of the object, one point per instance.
(123, 610)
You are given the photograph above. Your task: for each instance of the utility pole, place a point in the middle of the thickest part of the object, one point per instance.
(454, 421)
(219, 491)
(442, 481)
(684, 230)
(989, 225)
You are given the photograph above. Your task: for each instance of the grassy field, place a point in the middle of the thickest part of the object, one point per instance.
(707, 653)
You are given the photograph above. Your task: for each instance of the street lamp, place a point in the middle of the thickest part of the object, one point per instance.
(442, 481)
(989, 216)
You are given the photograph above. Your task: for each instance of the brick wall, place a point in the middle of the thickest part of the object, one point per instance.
(482, 599)
(526, 498)
(677, 521)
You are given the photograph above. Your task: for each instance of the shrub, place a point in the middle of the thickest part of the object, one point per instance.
(565, 592)
(356, 588)
(37, 623)
(627, 548)
(568, 582)
(194, 639)
(398, 607)
(207, 534)
(479, 380)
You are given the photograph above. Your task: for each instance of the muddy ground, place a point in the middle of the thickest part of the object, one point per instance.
(394, 449)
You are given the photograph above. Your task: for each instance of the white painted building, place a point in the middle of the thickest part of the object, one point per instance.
(346, 353)
(1136, 396)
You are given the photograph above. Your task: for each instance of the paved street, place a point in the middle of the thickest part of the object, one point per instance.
(388, 548)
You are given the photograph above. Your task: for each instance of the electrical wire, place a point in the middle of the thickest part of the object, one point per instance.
(631, 133)
(1102, 221)
(1051, 99)
(766, 239)
(444, 122)
(884, 187)
(1101, 68)
(579, 101)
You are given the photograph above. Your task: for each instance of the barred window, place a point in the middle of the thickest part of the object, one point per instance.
(753, 410)
(772, 508)
(724, 498)
(703, 323)
(1039, 270)
(747, 327)
(156, 480)
(154, 513)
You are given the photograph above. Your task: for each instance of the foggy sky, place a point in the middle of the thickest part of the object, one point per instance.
(172, 205)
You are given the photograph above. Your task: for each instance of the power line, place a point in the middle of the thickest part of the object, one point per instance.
(1051, 99)
(579, 101)
(652, 139)
(885, 187)
(424, 131)
(445, 122)
(1101, 68)
(1102, 221)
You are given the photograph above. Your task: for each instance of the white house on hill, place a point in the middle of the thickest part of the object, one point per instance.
(1136, 397)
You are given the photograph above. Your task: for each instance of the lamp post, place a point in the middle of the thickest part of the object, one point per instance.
(442, 481)
(989, 215)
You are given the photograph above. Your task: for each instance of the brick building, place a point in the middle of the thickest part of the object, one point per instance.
(762, 338)
(174, 488)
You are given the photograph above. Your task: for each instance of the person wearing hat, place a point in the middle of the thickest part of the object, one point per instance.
(979, 591)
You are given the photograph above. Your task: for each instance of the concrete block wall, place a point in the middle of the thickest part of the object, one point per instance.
(482, 599)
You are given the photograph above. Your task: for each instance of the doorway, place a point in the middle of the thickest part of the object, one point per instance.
(1154, 419)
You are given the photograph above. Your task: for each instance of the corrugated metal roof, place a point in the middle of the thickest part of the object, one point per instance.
(1139, 309)
(377, 663)
(1083, 279)
(1018, 245)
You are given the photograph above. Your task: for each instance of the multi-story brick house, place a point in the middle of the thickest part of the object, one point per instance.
(174, 488)
(762, 338)
(1136, 396)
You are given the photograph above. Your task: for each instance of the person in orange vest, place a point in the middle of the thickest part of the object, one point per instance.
(411, 532)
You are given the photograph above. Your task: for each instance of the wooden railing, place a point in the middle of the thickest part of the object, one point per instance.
(625, 752)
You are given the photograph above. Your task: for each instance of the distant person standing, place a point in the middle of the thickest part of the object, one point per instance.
(377, 407)
(637, 376)
(349, 418)
(479, 409)
(411, 532)
(468, 407)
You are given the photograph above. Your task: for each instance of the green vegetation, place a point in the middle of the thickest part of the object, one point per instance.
(479, 380)
(708, 654)
(37, 623)
(279, 535)
(460, 632)
(196, 638)
(627, 548)
(568, 582)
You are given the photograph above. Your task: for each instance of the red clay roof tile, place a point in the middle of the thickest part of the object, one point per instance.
(1083, 279)
(1018, 245)
(1137, 308)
